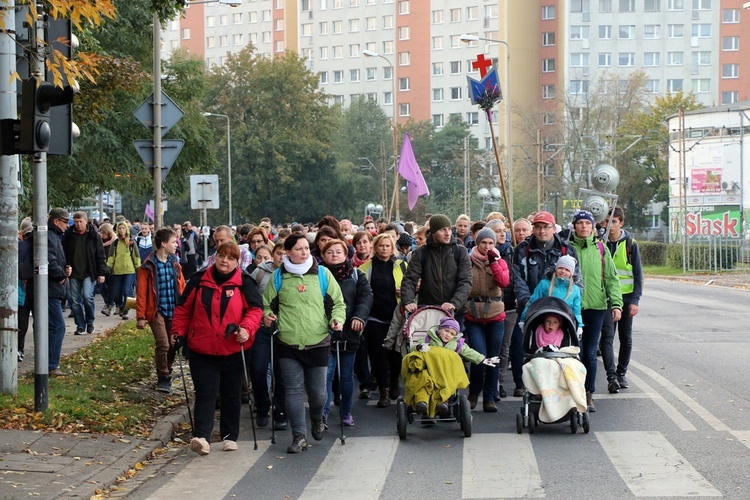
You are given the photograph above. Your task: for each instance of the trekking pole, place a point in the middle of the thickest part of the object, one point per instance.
(184, 386)
(273, 382)
(232, 328)
(341, 412)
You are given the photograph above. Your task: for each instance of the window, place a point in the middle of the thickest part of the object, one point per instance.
(371, 46)
(701, 85)
(626, 59)
(548, 12)
(652, 5)
(579, 87)
(237, 39)
(237, 18)
(387, 73)
(548, 39)
(371, 74)
(353, 3)
(404, 83)
(353, 75)
(455, 67)
(252, 17)
(730, 43)
(605, 32)
(674, 85)
(579, 5)
(306, 29)
(652, 86)
(437, 120)
(490, 11)
(305, 5)
(730, 16)
(338, 51)
(730, 97)
(472, 13)
(605, 5)
(605, 59)
(702, 58)
(279, 25)
(702, 30)
(437, 95)
(266, 37)
(454, 15)
(323, 77)
(223, 20)
(388, 22)
(579, 32)
(372, 96)
(455, 41)
(651, 58)
(455, 93)
(701, 4)
(403, 33)
(627, 5)
(388, 46)
(186, 33)
(675, 58)
(279, 46)
(675, 30)
(324, 52)
(579, 59)
(338, 76)
(210, 42)
(472, 118)
(323, 4)
(265, 15)
(404, 59)
(371, 23)
(353, 25)
(210, 21)
(254, 38)
(403, 8)
(354, 50)
(323, 28)
(338, 99)
(548, 65)
(437, 17)
(626, 31)
(548, 91)
(437, 68)
(437, 42)
(338, 27)
(730, 70)
(388, 97)
(676, 5)
(403, 109)
(307, 54)
(652, 31)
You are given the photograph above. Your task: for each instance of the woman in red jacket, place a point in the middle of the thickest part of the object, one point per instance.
(214, 300)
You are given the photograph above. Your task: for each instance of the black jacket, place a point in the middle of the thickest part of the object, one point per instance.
(58, 282)
(358, 298)
(96, 259)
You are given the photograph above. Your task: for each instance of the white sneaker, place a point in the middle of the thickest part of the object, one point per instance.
(230, 445)
(200, 446)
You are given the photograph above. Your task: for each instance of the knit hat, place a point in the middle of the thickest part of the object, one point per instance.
(404, 240)
(583, 215)
(438, 222)
(485, 233)
(543, 218)
(59, 213)
(568, 262)
(27, 226)
(449, 322)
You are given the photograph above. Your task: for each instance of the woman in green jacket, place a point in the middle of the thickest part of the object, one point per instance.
(306, 302)
(601, 287)
(123, 261)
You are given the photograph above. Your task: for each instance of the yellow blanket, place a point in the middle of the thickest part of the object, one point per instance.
(560, 381)
(433, 376)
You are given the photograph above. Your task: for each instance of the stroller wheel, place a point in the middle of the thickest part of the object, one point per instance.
(519, 422)
(573, 423)
(465, 412)
(532, 423)
(585, 422)
(402, 419)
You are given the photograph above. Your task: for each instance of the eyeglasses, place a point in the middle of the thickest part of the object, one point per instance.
(544, 227)
(257, 241)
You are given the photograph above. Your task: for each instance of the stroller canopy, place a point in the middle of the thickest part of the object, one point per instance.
(535, 316)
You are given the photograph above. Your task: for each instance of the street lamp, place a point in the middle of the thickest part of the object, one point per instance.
(489, 197)
(508, 134)
(229, 160)
(371, 53)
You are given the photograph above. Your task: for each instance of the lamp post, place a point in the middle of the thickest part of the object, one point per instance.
(508, 133)
(395, 201)
(229, 160)
(489, 197)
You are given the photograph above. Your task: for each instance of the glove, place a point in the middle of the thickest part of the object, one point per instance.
(579, 333)
(423, 347)
(493, 361)
(521, 325)
(492, 255)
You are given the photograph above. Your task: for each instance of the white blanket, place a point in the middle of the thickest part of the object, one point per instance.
(560, 381)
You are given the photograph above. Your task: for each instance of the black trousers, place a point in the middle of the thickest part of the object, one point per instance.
(217, 376)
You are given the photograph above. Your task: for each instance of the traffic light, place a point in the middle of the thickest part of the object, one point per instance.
(36, 101)
(604, 180)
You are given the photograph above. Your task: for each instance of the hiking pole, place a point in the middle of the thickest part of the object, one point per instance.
(179, 348)
(233, 328)
(341, 412)
(273, 382)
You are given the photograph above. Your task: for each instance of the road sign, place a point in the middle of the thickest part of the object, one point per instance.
(204, 192)
(169, 151)
(170, 113)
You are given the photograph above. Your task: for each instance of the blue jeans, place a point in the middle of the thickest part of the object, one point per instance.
(122, 284)
(299, 379)
(260, 360)
(56, 333)
(82, 301)
(592, 329)
(486, 338)
(346, 381)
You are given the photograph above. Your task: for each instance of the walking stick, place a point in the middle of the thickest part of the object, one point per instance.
(232, 328)
(184, 385)
(273, 383)
(341, 412)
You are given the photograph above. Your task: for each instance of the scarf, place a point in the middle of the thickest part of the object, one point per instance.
(341, 271)
(543, 339)
(479, 258)
(298, 268)
(356, 261)
(502, 249)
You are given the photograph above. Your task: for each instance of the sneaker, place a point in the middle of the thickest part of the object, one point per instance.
(623, 382)
(490, 407)
(613, 387)
(501, 392)
(90, 329)
(20, 356)
(118, 311)
(124, 314)
(364, 394)
(443, 410)
(164, 384)
(230, 445)
(262, 421)
(473, 400)
(200, 446)
(318, 428)
(422, 408)
(590, 402)
(107, 310)
(57, 373)
(348, 420)
(518, 392)
(299, 444)
(79, 331)
(280, 424)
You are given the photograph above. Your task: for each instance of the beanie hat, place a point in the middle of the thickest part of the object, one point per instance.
(438, 222)
(485, 233)
(449, 322)
(404, 240)
(583, 215)
(568, 262)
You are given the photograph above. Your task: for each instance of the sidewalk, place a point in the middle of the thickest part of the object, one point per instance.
(732, 280)
(57, 465)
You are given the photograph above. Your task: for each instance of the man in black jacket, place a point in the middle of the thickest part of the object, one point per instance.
(58, 273)
(84, 253)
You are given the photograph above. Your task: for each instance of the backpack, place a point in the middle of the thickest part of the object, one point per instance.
(322, 280)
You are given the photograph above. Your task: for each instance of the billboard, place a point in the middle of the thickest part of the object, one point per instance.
(722, 221)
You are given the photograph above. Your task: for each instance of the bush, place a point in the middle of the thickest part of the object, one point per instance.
(653, 253)
(704, 257)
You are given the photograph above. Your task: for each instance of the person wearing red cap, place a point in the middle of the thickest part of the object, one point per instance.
(533, 259)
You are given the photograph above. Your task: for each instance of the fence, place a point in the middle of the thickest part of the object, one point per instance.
(714, 254)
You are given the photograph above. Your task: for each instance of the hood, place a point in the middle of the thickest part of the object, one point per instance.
(267, 266)
(127, 228)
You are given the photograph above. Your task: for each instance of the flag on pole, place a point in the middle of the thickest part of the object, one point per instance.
(409, 170)
(149, 211)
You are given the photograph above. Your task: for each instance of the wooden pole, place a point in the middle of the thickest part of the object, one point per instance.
(502, 179)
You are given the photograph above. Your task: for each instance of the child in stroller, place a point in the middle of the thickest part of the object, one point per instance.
(553, 375)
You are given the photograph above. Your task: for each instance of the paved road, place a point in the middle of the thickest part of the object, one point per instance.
(682, 429)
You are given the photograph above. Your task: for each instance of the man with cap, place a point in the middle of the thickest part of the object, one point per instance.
(444, 268)
(533, 259)
(58, 273)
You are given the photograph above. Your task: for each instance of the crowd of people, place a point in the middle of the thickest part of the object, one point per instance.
(318, 304)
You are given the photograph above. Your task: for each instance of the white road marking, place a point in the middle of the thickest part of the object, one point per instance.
(361, 465)
(652, 467)
(678, 418)
(500, 466)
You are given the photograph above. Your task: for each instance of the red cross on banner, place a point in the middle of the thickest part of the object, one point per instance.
(481, 64)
